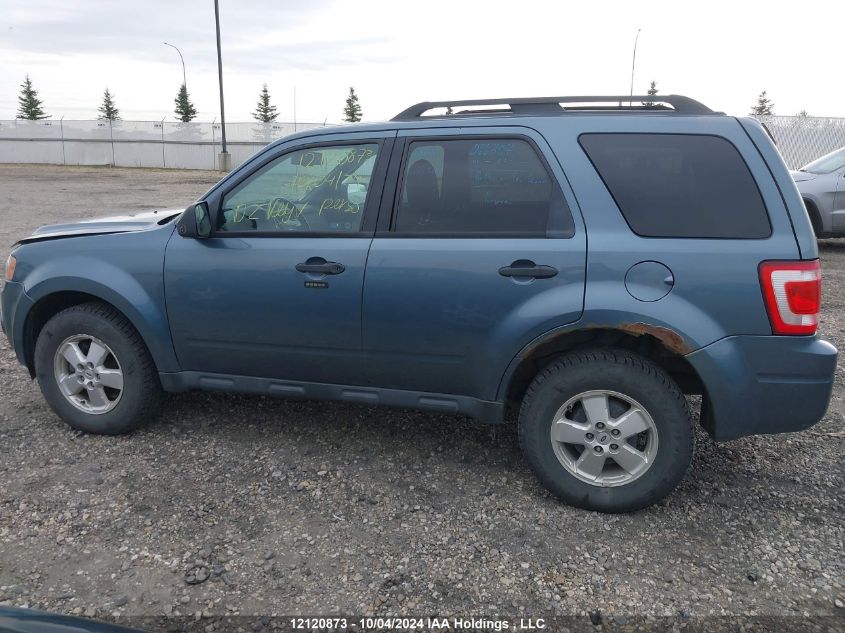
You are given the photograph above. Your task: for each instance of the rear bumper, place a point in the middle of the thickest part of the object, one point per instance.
(764, 384)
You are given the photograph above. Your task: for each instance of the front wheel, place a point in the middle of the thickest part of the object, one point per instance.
(95, 371)
(606, 430)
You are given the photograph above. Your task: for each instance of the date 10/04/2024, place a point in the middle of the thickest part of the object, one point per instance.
(423, 624)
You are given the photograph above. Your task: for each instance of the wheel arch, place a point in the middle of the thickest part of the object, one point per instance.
(815, 216)
(47, 302)
(662, 346)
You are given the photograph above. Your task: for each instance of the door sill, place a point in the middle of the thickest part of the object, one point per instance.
(481, 410)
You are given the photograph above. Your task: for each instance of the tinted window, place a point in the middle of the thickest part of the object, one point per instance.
(479, 187)
(321, 190)
(679, 185)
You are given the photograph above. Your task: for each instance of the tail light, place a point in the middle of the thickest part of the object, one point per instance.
(793, 292)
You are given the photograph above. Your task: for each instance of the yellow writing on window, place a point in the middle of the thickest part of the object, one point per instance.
(339, 204)
(277, 208)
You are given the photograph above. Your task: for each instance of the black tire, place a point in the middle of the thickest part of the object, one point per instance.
(141, 394)
(815, 218)
(625, 373)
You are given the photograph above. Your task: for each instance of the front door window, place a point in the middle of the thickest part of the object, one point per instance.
(314, 190)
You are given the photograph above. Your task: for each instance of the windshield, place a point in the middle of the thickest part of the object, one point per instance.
(827, 163)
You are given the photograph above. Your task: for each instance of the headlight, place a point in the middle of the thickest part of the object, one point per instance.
(11, 262)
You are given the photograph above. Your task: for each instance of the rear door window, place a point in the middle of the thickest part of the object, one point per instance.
(477, 188)
(679, 185)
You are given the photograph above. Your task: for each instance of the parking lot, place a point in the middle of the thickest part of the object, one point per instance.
(291, 507)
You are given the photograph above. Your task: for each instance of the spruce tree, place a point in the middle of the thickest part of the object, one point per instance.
(108, 110)
(651, 92)
(763, 106)
(352, 111)
(264, 112)
(185, 110)
(30, 105)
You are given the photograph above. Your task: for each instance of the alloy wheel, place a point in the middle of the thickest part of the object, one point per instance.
(604, 438)
(88, 374)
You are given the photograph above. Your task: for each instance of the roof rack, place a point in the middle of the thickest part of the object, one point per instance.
(675, 104)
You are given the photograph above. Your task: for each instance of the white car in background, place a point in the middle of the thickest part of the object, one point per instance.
(822, 186)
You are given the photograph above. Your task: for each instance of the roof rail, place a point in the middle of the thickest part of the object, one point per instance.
(557, 105)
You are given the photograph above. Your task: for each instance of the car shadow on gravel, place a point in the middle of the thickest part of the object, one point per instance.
(833, 245)
(378, 436)
(315, 424)
(749, 471)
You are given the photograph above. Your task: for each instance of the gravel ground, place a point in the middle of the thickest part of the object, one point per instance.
(289, 507)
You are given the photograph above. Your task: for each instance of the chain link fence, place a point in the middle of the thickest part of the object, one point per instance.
(136, 143)
(802, 139)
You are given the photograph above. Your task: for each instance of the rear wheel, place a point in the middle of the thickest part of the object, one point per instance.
(606, 430)
(95, 371)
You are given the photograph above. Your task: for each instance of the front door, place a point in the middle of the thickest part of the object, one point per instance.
(481, 254)
(275, 292)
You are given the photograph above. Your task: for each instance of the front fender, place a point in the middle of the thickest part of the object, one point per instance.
(140, 298)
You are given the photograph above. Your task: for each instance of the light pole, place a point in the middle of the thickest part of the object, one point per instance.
(224, 162)
(633, 65)
(184, 76)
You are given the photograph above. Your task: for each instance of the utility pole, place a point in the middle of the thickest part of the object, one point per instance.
(225, 162)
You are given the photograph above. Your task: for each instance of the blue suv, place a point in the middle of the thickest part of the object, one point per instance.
(581, 262)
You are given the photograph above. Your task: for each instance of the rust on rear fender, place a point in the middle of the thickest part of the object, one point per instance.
(669, 337)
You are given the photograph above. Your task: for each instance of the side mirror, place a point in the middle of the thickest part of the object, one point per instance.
(195, 221)
(203, 219)
(356, 193)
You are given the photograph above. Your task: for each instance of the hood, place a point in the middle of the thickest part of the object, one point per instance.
(801, 176)
(139, 221)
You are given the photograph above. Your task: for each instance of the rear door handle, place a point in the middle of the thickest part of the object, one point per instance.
(527, 268)
(320, 265)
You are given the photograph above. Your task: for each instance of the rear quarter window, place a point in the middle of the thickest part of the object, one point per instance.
(679, 185)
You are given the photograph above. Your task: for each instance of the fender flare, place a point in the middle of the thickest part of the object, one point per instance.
(681, 343)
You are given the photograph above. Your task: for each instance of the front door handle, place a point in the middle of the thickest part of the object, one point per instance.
(527, 268)
(320, 265)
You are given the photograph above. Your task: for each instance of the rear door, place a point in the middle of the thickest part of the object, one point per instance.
(479, 250)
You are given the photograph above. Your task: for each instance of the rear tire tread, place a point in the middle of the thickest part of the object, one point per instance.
(589, 358)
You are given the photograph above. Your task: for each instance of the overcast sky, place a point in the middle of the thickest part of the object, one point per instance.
(397, 52)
